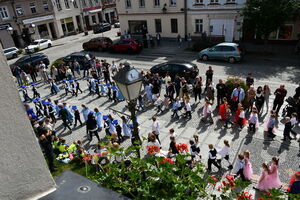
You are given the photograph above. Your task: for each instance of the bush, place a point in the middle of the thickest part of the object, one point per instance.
(20, 51)
(200, 45)
(36, 49)
(232, 82)
(58, 63)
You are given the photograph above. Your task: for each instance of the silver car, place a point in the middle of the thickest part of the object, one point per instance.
(11, 52)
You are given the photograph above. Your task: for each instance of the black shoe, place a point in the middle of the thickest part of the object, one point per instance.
(230, 167)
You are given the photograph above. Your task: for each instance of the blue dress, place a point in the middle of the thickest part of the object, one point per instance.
(120, 96)
(148, 89)
(126, 130)
(70, 115)
(99, 119)
(103, 89)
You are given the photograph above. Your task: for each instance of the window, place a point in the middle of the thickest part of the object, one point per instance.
(198, 1)
(156, 3)
(228, 48)
(198, 25)
(158, 25)
(230, 1)
(84, 3)
(172, 2)
(174, 26)
(67, 4)
(4, 12)
(96, 1)
(214, 1)
(45, 5)
(32, 8)
(142, 3)
(58, 4)
(75, 4)
(128, 3)
(19, 11)
(91, 3)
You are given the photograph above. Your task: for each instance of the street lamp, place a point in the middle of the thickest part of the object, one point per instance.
(129, 81)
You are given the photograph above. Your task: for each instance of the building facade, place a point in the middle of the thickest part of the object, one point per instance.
(19, 14)
(163, 16)
(109, 11)
(68, 17)
(216, 18)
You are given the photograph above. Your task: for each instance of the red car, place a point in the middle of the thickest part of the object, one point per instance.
(127, 45)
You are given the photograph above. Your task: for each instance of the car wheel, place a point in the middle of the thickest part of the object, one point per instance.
(204, 57)
(49, 45)
(15, 55)
(231, 60)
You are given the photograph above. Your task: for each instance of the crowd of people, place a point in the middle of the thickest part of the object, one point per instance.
(166, 94)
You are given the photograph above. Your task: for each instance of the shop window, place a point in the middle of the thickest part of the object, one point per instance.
(75, 4)
(198, 25)
(94, 19)
(4, 12)
(285, 32)
(67, 4)
(32, 8)
(58, 5)
(46, 6)
(137, 27)
(173, 3)
(174, 26)
(142, 3)
(43, 30)
(156, 3)
(128, 3)
(19, 11)
(158, 25)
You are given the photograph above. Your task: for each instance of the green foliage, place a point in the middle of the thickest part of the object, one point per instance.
(20, 51)
(232, 82)
(36, 49)
(266, 16)
(57, 63)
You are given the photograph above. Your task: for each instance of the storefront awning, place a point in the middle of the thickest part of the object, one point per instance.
(95, 11)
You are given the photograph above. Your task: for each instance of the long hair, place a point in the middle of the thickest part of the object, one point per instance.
(275, 160)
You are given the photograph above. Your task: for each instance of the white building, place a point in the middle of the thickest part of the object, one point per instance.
(217, 18)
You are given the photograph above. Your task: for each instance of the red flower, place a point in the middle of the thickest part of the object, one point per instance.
(244, 196)
(182, 147)
(166, 160)
(229, 177)
(87, 157)
(152, 149)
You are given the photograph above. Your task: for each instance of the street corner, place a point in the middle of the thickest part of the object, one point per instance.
(262, 151)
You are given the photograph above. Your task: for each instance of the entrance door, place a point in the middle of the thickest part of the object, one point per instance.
(52, 30)
(78, 23)
(107, 17)
(222, 27)
(87, 22)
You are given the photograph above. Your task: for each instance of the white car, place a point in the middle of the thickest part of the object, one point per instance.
(11, 52)
(41, 44)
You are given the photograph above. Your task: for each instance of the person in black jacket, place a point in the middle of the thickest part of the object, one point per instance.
(173, 149)
(259, 99)
(212, 158)
(221, 92)
(91, 127)
(287, 129)
(63, 114)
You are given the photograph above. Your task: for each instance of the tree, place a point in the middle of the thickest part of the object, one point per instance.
(266, 16)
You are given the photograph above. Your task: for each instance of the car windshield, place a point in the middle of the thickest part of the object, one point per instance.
(22, 59)
(35, 43)
(8, 50)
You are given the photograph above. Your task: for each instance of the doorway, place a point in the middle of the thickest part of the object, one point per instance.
(52, 30)
(87, 22)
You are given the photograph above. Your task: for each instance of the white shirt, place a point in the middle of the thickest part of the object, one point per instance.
(173, 135)
(224, 151)
(155, 127)
(294, 121)
(49, 127)
(188, 107)
(242, 114)
(167, 79)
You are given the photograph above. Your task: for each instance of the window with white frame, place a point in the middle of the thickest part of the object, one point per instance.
(156, 3)
(67, 4)
(84, 3)
(19, 10)
(142, 3)
(198, 25)
(32, 8)
(75, 4)
(230, 1)
(214, 1)
(128, 3)
(4, 12)
(46, 6)
(58, 5)
(91, 3)
(172, 2)
(198, 1)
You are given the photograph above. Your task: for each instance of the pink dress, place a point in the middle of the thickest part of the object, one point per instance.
(274, 177)
(264, 182)
(248, 172)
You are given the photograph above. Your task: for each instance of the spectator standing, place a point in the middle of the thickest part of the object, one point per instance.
(221, 92)
(280, 94)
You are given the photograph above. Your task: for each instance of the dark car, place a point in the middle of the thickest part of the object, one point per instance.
(102, 28)
(127, 45)
(81, 57)
(32, 59)
(99, 44)
(180, 67)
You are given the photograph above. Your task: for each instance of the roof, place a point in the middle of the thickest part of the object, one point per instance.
(227, 44)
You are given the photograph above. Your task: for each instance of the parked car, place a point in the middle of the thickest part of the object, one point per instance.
(102, 28)
(41, 44)
(127, 45)
(230, 52)
(117, 25)
(100, 44)
(180, 67)
(11, 52)
(32, 59)
(81, 57)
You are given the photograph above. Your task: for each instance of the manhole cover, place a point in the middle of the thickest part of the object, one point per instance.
(83, 189)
